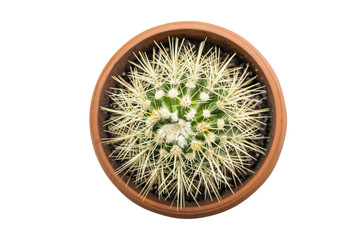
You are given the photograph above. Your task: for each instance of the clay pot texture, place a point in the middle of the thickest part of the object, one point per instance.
(220, 37)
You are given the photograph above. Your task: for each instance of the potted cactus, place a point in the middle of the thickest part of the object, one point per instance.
(187, 119)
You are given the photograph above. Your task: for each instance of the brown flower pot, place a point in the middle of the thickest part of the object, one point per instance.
(220, 37)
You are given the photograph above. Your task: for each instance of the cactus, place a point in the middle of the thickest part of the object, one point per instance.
(184, 123)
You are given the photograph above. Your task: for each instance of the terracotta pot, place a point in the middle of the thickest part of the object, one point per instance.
(220, 37)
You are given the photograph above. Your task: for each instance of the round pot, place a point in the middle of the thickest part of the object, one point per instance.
(220, 37)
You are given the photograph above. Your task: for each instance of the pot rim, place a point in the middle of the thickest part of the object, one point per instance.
(279, 122)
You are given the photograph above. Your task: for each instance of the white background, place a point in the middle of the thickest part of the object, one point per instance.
(52, 186)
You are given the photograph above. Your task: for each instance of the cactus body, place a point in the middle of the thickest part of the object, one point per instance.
(185, 122)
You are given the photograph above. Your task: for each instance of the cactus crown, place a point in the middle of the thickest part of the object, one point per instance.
(184, 123)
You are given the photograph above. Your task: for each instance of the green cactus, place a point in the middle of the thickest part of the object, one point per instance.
(185, 122)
